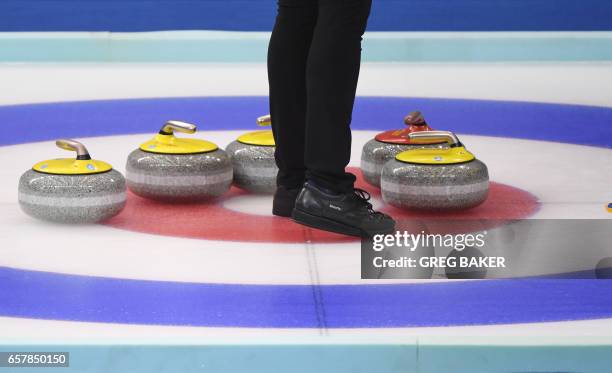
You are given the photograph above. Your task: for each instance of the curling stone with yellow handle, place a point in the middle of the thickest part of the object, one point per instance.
(72, 190)
(252, 156)
(170, 168)
(386, 145)
(435, 179)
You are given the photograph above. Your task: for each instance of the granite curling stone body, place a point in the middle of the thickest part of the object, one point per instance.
(435, 179)
(69, 190)
(252, 156)
(169, 168)
(386, 145)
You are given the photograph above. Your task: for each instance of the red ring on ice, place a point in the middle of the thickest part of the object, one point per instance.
(212, 221)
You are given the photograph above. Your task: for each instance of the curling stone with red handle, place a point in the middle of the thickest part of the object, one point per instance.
(386, 145)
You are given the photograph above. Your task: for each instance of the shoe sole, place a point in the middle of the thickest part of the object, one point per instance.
(326, 224)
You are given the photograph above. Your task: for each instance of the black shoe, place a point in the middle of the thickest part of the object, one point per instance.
(284, 200)
(348, 213)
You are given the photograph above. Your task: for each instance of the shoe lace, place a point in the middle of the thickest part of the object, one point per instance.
(363, 197)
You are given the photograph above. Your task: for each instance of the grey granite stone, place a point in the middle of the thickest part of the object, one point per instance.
(254, 167)
(179, 177)
(435, 187)
(72, 198)
(376, 153)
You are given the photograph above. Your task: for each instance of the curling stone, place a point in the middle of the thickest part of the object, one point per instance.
(435, 179)
(386, 145)
(252, 156)
(170, 168)
(69, 190)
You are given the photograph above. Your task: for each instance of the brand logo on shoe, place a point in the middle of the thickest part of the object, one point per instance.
(335, 207)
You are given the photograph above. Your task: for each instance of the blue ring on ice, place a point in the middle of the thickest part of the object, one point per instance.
(44, 295)
(576, 124)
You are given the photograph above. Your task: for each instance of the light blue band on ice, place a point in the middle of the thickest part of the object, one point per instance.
(227, 46)
(408, 356)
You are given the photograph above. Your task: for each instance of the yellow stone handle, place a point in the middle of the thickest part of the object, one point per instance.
(447, 136)
(74, 146)
(265, 120)
(177, 125)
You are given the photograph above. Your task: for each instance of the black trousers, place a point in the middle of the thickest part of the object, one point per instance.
(313, 67)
